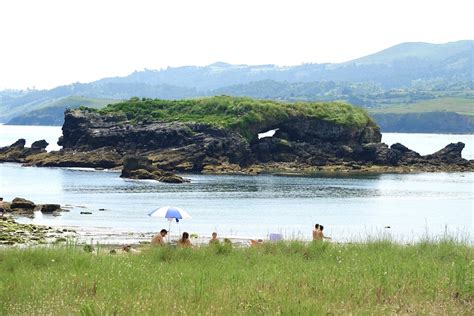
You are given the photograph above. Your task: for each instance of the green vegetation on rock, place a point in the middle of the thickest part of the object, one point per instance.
(273, 278)
(243, 114)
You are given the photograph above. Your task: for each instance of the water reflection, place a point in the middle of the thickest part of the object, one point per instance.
(237, 186)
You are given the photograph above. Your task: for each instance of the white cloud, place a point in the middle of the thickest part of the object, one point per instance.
(48, 43)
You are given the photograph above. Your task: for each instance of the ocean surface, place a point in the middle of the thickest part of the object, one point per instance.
(414, 206)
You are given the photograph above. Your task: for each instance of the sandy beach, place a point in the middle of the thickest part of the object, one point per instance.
(105, 236)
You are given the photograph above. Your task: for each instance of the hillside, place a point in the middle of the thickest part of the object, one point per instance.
(434, 53)
(425, 122)
(443, 115)
(403, 74)
(463, 106)
(52, 113)
(394, 67)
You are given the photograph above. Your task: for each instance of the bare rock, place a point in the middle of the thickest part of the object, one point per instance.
(379, 153)
(133, 163)
(6, 206)
(104, 158)
(49, 208)
(39, 145)
(135, 167)
(21, 203)
(449, 154)
(172, 178)
(19, 143)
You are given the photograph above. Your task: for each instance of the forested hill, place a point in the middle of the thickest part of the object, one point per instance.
(394, 67)
(403, 74)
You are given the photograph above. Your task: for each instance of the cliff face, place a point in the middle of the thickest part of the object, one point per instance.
(192, 146)
(172, 143)
(299, 144)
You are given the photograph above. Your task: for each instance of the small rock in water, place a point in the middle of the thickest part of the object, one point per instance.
(101, 209)
(86, 213)
(39, 145)
(387, 227)
(49, 208)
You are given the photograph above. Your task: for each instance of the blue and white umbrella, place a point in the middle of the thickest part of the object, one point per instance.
(170, 213)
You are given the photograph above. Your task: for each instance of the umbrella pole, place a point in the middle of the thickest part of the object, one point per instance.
(169, 231)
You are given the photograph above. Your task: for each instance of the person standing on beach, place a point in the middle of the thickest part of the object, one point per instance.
(158, 240)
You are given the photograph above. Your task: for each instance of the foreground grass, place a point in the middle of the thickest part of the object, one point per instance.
(293, 278)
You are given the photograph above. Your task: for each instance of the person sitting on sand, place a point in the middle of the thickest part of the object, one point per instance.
(214, 240)
(255, 242)
(316, 233)
(129, 249)
(184, 242)
(158, 240)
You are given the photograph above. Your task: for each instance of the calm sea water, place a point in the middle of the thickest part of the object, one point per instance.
(351, 208)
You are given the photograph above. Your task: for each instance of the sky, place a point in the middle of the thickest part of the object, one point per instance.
(54, 42)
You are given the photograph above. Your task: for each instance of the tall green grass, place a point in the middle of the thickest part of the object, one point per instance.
(273, 278)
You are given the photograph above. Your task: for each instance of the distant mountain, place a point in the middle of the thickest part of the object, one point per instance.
(14, 103)
(434, 53)
(401, 74)
(51, 112)
(404, 64)
(394, 67)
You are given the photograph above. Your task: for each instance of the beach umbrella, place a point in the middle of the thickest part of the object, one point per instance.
(171, 213)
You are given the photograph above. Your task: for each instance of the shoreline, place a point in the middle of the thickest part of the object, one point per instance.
(15, 234)
(290, 170)
(116, 238)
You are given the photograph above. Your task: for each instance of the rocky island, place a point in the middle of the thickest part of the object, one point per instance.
(221, 135)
